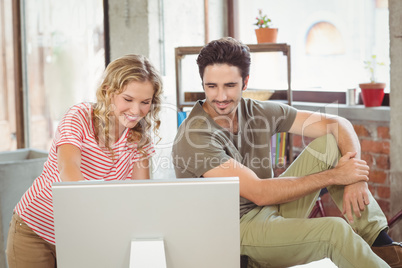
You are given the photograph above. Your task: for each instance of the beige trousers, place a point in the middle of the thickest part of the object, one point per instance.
(25, 249)
(283, 236)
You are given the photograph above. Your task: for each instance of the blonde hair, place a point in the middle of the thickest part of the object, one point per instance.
(117, 75)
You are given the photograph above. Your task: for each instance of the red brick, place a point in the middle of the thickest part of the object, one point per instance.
(383, 133)
(383, 192)
(361, 131)
(368, 158)
(385, 206)
(297, 141)
(379, 147)
(377, 176)
(382, 162)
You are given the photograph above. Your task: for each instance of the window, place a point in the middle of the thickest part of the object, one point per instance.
(7, 102)
(329, 40)
(64, 58)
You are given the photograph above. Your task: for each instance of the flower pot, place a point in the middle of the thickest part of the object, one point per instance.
(266, 35)
(372, 94)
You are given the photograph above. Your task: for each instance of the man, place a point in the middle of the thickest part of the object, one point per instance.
(228, 136)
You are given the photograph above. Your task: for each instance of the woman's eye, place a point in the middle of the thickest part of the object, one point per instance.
(128, 100)
(146, 102)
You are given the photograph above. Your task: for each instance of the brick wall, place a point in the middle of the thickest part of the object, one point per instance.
(375, 146)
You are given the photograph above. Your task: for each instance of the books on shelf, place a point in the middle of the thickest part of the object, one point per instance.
(278, 149)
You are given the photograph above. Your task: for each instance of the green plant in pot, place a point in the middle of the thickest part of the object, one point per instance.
(265, 32)
(373, 92)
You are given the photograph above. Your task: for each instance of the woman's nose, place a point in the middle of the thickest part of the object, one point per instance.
(135, 109)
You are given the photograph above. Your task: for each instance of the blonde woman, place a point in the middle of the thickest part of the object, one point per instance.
(108, 140)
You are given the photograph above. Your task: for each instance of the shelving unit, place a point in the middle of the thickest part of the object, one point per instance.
(181, 52)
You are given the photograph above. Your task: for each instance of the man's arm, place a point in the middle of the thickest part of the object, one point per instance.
(314, 125)
(285, 189)
(350, 169)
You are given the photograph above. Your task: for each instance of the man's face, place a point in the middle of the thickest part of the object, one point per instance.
(223, 87)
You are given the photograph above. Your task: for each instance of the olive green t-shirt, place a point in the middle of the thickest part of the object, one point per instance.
(201, 144)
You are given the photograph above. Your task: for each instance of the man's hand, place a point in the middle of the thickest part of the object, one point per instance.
(355, 197)
(350, 170)
(356, 194)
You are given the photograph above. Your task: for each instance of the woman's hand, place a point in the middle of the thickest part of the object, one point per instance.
(141, 170)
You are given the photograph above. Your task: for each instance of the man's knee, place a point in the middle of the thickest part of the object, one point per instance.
(326, 149)
(324, 142)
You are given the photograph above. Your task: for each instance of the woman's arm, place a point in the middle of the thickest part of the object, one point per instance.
(69, 162)
(141, 170)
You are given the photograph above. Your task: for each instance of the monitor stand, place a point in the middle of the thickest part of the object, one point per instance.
(147, 253)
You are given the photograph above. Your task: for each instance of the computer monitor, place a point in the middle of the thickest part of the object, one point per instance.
(196, 220)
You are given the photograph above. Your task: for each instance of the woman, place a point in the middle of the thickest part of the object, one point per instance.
(107, 140)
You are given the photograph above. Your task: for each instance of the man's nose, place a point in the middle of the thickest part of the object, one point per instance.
(222, 96)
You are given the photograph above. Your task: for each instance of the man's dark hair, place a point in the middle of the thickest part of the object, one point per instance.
(225, 50)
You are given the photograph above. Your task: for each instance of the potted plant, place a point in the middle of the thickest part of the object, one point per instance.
(373, 92)
(265, 33)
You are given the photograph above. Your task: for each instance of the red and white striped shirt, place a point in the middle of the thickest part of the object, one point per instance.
(36, 206)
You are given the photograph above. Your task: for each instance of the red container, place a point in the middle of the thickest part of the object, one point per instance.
(372, 94)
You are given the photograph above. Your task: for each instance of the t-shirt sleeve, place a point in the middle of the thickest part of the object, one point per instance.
(71, 128)
(283, 116)
(197, 150)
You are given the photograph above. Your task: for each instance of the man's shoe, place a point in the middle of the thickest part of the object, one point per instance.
(391, 254)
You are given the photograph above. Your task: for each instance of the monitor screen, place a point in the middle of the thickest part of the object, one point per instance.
(196, 220)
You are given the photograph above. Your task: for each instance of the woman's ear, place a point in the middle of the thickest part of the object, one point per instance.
(104, 90)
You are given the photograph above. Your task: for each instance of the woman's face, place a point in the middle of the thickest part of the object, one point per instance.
(133, 103)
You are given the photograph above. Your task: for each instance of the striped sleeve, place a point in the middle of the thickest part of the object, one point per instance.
(71, 128)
